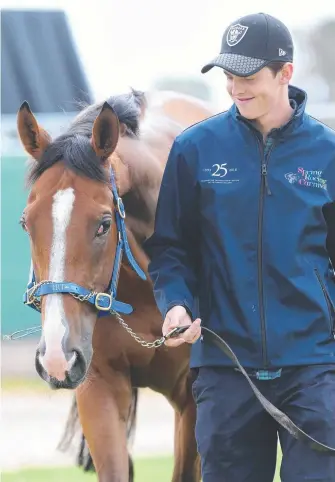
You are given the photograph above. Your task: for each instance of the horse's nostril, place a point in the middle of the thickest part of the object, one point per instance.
(39, 367)
(77, 366)
(72, 360)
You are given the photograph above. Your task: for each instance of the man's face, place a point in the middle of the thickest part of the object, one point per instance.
(257, 95)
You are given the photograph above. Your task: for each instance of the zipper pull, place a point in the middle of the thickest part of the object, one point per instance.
(265, 174)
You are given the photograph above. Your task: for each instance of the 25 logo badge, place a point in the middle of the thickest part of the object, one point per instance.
(219, 170)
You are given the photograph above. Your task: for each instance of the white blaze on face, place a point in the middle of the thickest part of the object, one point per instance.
(54, 361)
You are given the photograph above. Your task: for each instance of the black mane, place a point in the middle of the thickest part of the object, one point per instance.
(74, 146)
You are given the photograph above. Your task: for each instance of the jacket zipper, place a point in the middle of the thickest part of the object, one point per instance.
(264, 185)
(329, 303)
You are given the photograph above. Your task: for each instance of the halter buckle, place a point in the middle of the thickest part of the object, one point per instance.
(100, 304)
(120, 208)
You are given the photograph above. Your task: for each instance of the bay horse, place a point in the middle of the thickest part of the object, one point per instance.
(92, 201)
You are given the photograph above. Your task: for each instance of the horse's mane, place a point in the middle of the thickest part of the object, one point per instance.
(146, 125)
(140, 156)
(74, 147)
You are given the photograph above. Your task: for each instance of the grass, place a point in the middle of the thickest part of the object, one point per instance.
(23, 385)
(146, 470)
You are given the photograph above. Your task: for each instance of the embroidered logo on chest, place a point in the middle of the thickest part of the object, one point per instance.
(306, 178)
(220, 174)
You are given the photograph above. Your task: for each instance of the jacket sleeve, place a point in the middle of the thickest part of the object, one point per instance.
(173, 247)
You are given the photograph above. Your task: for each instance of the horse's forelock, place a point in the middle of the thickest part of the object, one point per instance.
(74, 146)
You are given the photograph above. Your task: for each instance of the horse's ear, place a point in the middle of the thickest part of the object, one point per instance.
(105, 132)
(33, 137)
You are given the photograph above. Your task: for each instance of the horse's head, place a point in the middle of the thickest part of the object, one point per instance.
(70, 217)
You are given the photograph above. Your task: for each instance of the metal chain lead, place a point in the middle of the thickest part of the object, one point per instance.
(32, 299)
(22, 333)
(146, 344)
(84, 297)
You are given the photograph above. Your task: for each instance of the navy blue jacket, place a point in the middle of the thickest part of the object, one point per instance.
(243, 236)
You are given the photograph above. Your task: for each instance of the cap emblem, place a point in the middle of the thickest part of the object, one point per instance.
(235, 34)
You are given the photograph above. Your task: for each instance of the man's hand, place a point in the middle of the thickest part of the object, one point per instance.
(178, 316)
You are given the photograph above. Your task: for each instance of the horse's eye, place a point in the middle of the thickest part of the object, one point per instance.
(104, 227)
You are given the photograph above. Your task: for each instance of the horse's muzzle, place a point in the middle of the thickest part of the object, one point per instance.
(73, 376)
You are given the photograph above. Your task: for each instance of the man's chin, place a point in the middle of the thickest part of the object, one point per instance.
(248, 114)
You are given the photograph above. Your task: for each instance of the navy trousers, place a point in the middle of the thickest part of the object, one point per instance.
(237, 439)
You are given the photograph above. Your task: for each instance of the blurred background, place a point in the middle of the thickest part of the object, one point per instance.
(55, 53)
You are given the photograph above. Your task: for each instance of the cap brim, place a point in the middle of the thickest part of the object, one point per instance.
(236, 64)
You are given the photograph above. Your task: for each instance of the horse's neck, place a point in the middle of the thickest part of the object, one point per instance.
(140, 229)
(137, 250)
(139, 187)
(138, 292)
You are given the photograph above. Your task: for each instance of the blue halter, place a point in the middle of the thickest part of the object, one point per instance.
(104, 302)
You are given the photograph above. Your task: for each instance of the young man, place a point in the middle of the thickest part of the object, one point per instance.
(243, 238)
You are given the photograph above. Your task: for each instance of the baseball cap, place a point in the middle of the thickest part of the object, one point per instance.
(252, 42)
